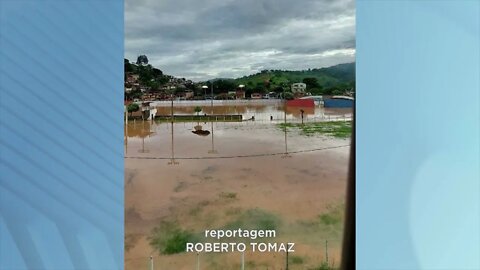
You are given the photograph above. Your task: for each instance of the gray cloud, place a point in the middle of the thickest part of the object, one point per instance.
(203, 39)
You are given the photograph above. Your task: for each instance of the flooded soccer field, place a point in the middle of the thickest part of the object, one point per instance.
(252, 174)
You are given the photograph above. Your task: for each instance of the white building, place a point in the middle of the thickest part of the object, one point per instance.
(299, 88)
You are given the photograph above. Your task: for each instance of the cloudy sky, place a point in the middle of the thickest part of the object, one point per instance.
(204, 39)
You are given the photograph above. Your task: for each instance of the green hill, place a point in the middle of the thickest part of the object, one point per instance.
(330, 80)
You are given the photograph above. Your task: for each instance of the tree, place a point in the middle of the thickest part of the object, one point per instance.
(157, 72)
(142, 60)
(315, 91)
(220, 86)
(337, 92)
(132, 107)
(133, 94)
(127, 65)
(311, 82)
(198, 109)
(146, 74)
(248, 91)
(260, 87)
(267, 83)
(278, 89)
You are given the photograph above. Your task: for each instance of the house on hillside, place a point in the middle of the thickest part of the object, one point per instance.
(299, 88)
(132, 78)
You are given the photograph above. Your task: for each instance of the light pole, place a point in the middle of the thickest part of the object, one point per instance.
(205, 91)
(286, 155)
(172, 90)
(143, 135)
(211, 95)
(172, 160)
(241, 86)
(212, 151)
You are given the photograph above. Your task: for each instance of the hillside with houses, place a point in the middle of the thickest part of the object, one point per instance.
(145, 82)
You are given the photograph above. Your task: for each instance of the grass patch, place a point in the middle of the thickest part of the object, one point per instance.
(333, 216)
(180, 186)
(296, 260)
(228, 195)
(327, 225)
(337, 129)
(169, 238)
(255, 219)
(324, 266)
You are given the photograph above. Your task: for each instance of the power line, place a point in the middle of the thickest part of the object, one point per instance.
(244, 156)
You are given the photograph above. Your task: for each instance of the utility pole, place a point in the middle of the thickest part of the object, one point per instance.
(151, 262)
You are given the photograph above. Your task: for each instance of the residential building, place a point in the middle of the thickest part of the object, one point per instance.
(299, 88)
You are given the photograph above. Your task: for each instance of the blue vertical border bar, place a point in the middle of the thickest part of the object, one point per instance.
(418, 133)
(61, 134)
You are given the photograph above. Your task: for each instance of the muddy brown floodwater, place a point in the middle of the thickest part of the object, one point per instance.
(207, 181)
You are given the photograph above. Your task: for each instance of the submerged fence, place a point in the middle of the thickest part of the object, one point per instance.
(194, 118)
(180, 103)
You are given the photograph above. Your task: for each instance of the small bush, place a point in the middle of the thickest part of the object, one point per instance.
(133, 107)
(197, 109)
(169, 238)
